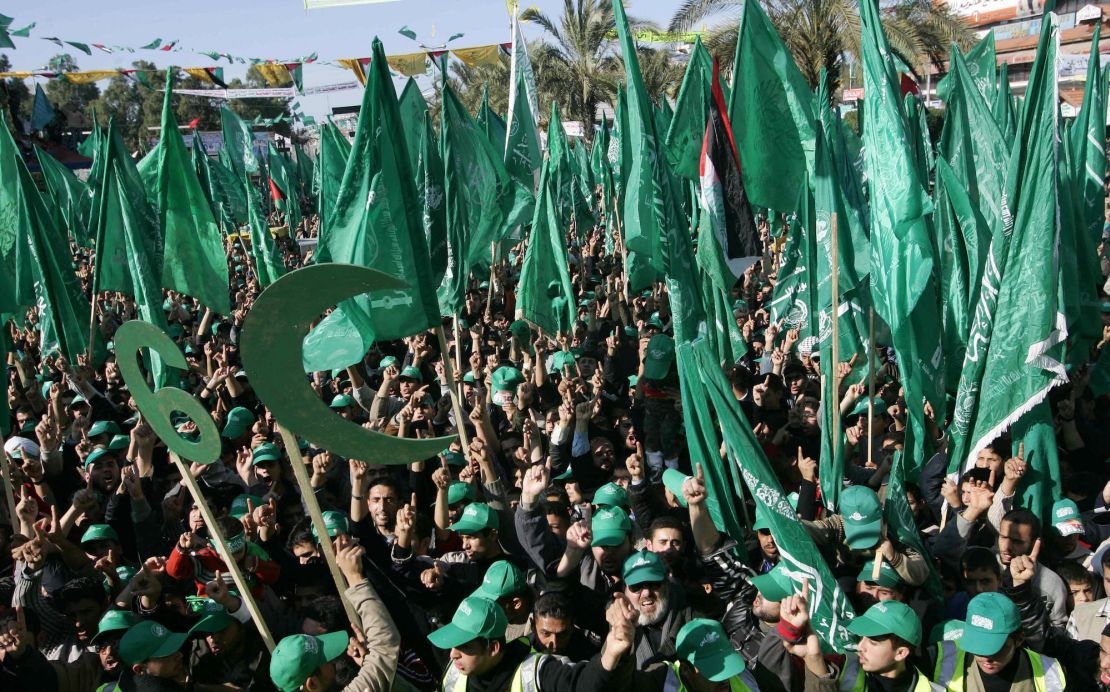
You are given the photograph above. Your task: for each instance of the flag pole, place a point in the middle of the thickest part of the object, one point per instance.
(835, 368)
(225, 554)
(870, 384)
(9, 493)
(453, 392)
(309, 497)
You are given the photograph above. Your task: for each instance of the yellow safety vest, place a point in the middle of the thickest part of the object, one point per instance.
(526, 678)
(951, 669)
(854, 679)
(744, 682)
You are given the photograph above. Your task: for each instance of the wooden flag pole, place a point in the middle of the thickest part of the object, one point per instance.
(309, 497)
(835, 367)
(456, 396)
(221, 544)
(92, 329)
(9, 492)
(870, 385)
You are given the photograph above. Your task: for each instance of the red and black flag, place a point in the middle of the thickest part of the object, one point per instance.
(722, 187)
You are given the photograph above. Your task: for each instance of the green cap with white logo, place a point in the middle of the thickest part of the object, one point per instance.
(297, 657)
(341, 401)
(991, 618)
(1065, 518)
(267, 451)
(335, 523)
(703, 644)
(458, 492)
(659, 357)
(611, 495)
(114, 621)
(99, 532)
(609, 526)
(775, 585)
(146, 640)
(888, 617)
(475, 618)
(478, 516)
(863, 517)
(673, 480)
(888, 577)
(643, 567)
(502, 579)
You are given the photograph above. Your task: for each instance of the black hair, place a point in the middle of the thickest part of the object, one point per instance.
(740, 377)
(556, 507)
(1024, 517)
(980, 475)
(422, 527)
(976, 558)
(328, 611)
(664, 522)
(554, 604)
(388, 481)
(1073, 573)
(81, 588)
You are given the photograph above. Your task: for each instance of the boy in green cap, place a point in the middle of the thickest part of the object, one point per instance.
(480, 653)
(150, 650)
(305, 662)
(706, 660)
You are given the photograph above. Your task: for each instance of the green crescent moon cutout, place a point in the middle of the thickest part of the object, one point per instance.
(157, 407)
(272, 347)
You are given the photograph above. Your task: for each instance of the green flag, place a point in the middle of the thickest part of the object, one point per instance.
(794, 296)
(901, 238)
(376, 221)
(1019, 329)
(413, 107)
(268, 264)
(148, 173)
(981, 61)
(490, 122)
(42, 113)
(429, 188)
(1003, 105)
(691, 112)
(771, 102)
(1087, 140)
(129, 245)
(69, 195)
(228, 193)
(286, 195)
(334, 152)
(25, 223)
(239, 143)
(194, 261)
(830, 610)
(544, 294)
(522, 143)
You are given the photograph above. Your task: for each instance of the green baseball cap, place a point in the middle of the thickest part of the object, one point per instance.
(506, 379)
(991, 618)
(297, 657)
(888, 617)
(659, 357)
(101, 427)
(76, 401)
(655, 321)
(948, 631)
(239, 506)
(459, 491)
(475, 618)
(119, 442)
(1065, 518)
(863, 517)
(642, 567)
(861, 407)
(341, 401)
(609, 526)
(216, 619)
(703, 644)
(239, 420)
(521, 330)
(267, 451)
(560, 360)
(761, 522)
(673, 480)
(97, 454)
(412, 373)
(99, 532)
(335, 523)
(470, 377)
(888, 577)
(502, 579)
(387, 361)
(478, 516)
(611, 495)
(775, 585)
(454, 458)
(146, 640)
(114, 621)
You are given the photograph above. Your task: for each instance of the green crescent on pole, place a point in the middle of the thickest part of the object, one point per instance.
(271, 347)
(158, 407)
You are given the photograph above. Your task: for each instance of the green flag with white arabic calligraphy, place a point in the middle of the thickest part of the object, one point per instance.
(545, 296)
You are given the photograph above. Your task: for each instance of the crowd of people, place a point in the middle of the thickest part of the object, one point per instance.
(567, 546)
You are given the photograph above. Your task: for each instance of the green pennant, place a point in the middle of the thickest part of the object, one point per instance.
(334, 152)
(42, 113)
(429, 188)
(544, 294)
(55, 289)
(268, 264)
(691, 112)
(239, 143)
(69, 195)
(771, 102)
(194, 261)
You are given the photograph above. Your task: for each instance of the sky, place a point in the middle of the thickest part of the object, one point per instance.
(279, 29)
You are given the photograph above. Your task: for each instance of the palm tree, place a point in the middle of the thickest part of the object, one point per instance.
(662, 73)
(469, 82)
(577, 67)
(819, 33)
